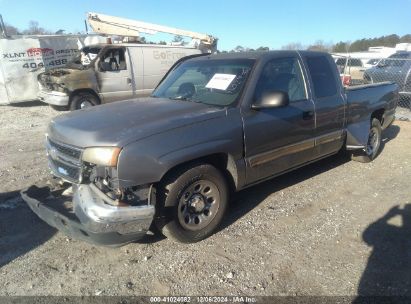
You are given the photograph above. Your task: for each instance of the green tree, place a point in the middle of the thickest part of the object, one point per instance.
(341, 47)
(263, 49)
(406, 38)
(11, 30)
(319, 45)
(239, 49)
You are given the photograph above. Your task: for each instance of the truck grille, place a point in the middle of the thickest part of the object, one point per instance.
(65, 161)
(65, 150)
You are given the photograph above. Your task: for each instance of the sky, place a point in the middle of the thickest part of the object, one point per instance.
(249, 23)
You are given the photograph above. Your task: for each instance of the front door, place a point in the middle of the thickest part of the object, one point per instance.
(277, 139)
(114, 77)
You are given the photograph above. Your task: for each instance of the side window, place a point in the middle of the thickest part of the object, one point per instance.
(114, 60)
(282, 74)
(340, 61)
(355, 62)
(322, 76)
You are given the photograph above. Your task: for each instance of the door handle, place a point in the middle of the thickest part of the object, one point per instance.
(307, 115)
(129, 81)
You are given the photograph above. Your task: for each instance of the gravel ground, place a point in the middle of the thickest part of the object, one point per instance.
(331, 228)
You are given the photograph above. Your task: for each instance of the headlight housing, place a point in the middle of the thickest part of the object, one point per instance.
(102, 156)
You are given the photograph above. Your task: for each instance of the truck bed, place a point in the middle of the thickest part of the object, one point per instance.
(364, 101)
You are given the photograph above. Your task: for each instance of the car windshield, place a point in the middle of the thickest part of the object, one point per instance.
(214, 82)
(373, 61)
(84, 57)
(396, 60)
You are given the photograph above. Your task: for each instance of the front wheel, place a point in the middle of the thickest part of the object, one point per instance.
(82, 101)
(373, 144)
(191, 203)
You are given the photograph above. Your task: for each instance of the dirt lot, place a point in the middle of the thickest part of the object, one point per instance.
(331, 228)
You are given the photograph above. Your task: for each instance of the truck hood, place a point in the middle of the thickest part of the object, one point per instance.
(52, 75)
(120, 123)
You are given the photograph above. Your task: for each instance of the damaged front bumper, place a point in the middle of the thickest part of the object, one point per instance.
(86, 215)
(54, 98)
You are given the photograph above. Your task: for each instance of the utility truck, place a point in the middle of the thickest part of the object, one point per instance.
(105, 73)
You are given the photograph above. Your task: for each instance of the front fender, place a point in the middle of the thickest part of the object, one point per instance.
(148, 160)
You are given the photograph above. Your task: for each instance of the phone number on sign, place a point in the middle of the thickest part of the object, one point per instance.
(34, 65)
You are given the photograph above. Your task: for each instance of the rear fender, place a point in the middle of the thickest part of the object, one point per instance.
(357, 133)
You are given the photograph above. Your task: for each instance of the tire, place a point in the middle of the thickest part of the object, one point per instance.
(373, 144)
(191, 203)
(83, 100)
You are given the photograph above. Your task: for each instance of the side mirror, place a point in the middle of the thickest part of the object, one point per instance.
(277, 99)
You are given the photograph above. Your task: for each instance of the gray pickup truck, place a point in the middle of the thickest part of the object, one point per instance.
(215, 124)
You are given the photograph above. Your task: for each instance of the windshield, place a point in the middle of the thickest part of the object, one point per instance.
(396, 60)
(214, 82)
(85, 57)
(373, 61)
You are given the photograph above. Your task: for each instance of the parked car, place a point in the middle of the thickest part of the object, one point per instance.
(372, 62)
(352, 67)
(214, 125)
(396, 68)
(105, 73)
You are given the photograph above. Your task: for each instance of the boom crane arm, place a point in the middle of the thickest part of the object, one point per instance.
(110, 25)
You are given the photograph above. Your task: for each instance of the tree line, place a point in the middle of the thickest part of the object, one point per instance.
(364, 44)
(33, 29)
(340, 47)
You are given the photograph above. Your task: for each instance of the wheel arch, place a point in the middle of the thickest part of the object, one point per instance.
(378, 114)
(84, 90)
(224, 162)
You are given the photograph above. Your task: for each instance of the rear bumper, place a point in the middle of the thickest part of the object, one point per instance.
(87, 217)
(54, 98)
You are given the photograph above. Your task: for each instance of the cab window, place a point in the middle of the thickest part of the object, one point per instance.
(282, 74)
(114, 60)
(322, 76)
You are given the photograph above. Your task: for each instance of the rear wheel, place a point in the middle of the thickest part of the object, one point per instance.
(191, 203)
(82, 101)
(373, 144)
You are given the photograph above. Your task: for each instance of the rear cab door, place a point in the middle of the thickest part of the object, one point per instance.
(328, 97)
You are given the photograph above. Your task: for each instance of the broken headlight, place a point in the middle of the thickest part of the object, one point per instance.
(102, 156)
